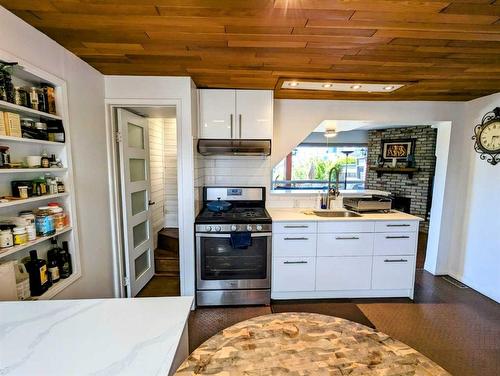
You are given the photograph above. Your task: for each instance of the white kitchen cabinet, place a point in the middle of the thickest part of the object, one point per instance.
(343, 273)
(343, 259)
(395, 243)
(294, 245)
(390, 272)
(293, 273)
(396, 226)
(345, 226)
(217, 118)
(345, 244)
(236, 114)
(254, 114)
(294, 227)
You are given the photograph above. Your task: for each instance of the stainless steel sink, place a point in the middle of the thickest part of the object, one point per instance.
(336, 214)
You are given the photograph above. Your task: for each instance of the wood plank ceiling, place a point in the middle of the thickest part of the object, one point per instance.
(443, 49)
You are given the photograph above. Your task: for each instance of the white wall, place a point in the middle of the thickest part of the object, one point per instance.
(157, 174)
(181, 92)
(88, 135)
(477, 261)
(171, 209)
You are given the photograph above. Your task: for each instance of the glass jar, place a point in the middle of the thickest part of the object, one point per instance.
(6, 239)
(20, 235)
(59, 217)
(44, 222)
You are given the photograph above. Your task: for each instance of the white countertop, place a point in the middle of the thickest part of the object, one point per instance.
(96, 336)
(299, 214)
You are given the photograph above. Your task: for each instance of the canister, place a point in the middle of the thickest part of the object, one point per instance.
(20, 235)
(6, 239)
(44, 222)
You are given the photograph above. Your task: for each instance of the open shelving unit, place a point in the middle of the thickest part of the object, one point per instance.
(26, 74)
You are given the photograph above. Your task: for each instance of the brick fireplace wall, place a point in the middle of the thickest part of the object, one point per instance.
(417, 189)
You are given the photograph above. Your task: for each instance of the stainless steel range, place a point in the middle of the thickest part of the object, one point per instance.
(233, 247)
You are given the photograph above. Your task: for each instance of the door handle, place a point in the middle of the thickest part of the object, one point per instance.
(295, 262)
(400, 260)
(231, 122)
(150, 203)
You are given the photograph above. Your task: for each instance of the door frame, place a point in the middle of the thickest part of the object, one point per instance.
(114, 182)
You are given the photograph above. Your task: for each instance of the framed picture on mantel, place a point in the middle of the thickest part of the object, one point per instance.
(397, 149)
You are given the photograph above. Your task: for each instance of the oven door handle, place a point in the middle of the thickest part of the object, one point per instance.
(219, 235)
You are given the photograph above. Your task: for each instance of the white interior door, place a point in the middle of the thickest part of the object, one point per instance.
(133, 147)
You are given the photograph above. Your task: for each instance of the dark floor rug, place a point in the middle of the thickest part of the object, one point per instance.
(344, 310)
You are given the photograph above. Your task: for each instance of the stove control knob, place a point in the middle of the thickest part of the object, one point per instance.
(249, 227)
(233, 227)
(208, 228)
(217, 228)
(259, 227)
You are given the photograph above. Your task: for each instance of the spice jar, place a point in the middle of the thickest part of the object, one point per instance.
(23, 191)
(20, 235)
(44, 222)
(6, 239)
(33, 95)
(20, 96)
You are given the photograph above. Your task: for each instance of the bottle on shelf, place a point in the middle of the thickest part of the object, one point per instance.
(37, 269)
(45, 162)
(65, 267)
(52, 265)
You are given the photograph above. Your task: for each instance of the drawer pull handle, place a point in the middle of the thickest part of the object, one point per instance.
(297, 226)
(397, 237)
(347, 238)
(402, 225)
(400, 260)
(296, 238)
(295, 262)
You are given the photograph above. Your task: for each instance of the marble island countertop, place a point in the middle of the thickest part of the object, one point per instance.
(96, 336)
(305, 214)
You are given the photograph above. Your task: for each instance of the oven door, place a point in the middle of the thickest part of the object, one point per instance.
(219, 266)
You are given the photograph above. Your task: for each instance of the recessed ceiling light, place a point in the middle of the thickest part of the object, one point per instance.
(329, 133)
(327, 85)
(293, 84)
(356, 87)
(390, 87)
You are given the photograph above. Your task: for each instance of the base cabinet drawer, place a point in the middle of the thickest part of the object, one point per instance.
(345, 244)
(294, 228)
(345, 226)
(343, 273)
(293, 245)
(393, 272)
(293, 274)
(395, 243)
(396, 226)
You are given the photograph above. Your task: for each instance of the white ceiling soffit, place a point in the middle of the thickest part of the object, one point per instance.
(336, 86)
(350, 125)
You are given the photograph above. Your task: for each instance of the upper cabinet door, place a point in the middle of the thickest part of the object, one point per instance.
(217, 114)
(254, 114)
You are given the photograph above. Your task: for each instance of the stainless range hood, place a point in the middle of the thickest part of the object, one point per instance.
(240, 147)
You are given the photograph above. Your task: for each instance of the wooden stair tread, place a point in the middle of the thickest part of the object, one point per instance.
(166, 254)
(169, 232)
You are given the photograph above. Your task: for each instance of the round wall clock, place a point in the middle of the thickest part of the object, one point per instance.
(487, 137)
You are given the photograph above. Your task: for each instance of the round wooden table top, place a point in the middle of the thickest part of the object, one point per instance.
(305, 344)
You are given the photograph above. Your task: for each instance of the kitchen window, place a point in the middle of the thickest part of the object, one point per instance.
(307, 167)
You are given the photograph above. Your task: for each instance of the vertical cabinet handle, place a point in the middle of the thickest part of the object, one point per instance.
(231, 122)
(240, 125)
